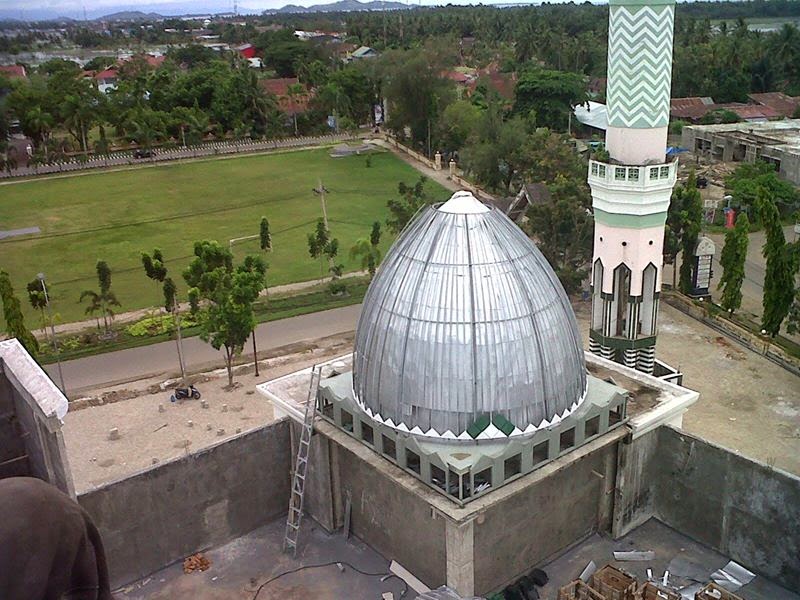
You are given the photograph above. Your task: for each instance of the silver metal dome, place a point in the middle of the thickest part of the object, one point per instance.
(465, 319)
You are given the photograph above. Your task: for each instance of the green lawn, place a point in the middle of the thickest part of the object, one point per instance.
(115, 216)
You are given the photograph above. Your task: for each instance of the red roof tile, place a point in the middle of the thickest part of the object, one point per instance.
(13, 71)
(777, 101)
(106, 74)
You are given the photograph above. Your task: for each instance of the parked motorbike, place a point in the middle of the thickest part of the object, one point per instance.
(182, 393)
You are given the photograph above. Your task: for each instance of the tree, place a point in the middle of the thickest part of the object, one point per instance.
(494, 153)
(687, 197)
(793, 318)
(227, 318)
(782, 264)
(38, 300)
(366, 249)
(732, 260)
(673, 234)
(459, 120)
(412, 199)
(170, 291)
(154, 266)
(12, 313)
(317, 243)
(747, 181)
(264, 235)
(295, 91)
(155, 269)
(551, 95)
(104, 299)
(563, 229)
(38, 123)
(417, 94)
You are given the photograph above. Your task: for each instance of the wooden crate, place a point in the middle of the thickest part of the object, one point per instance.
(578, 590)
(713, 592)
(614, 584)
(650, 591)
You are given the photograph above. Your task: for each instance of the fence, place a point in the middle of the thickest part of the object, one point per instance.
(125, 158)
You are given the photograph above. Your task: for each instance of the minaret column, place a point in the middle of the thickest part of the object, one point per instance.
(631, 189)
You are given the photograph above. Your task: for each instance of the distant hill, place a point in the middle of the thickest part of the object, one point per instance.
(130, 15)
(340, 6)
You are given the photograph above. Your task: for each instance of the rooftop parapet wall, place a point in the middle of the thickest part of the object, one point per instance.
(743, 508)
(161, 515)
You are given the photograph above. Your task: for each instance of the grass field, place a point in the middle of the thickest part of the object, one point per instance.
(114, 216)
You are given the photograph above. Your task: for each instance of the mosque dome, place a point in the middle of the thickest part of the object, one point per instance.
(466, 319)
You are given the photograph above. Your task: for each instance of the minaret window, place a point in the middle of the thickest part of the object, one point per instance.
(597, 298)
(622, 292)
(619, 173)
(653, 173)
(633, 174)
(664, 172)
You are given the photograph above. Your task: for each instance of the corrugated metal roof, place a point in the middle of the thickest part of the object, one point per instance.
(466, 318)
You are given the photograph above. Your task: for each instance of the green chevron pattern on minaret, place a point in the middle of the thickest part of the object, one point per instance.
(639, 65)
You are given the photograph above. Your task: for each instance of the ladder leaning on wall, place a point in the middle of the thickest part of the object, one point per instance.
(301, 466)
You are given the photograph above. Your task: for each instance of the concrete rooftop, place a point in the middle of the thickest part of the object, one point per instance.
(686, 560)
(782, 134)
(239, 567)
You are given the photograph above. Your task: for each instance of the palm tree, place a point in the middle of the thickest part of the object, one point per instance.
(368, 255)
(78, 115)
(294, 91)
(39, 123)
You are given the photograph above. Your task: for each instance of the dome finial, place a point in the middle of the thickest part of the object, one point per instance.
(463, 203)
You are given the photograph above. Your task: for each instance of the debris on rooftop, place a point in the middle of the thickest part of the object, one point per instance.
(634, 555)
(196, 562)
(612, 583)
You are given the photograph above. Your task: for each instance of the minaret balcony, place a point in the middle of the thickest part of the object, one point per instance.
(643, 189)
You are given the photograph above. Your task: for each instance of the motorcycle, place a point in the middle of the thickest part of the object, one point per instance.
(182, 393)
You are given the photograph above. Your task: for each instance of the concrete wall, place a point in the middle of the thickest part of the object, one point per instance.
(544, 518)
(387, 512)
(635, 486)
(31, 443)
(13, 456)
(742, 508)
(161, 515)
(398, 524)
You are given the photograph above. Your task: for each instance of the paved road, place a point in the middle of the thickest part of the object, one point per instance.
(754, 270)
(156, 359)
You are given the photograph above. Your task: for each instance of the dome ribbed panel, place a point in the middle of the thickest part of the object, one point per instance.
(464, 318)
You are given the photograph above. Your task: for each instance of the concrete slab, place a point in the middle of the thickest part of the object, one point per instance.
(241, 566)
(9, 233)
(669, 546)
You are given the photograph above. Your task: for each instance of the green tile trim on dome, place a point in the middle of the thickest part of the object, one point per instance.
(640, 65)
(480, 424)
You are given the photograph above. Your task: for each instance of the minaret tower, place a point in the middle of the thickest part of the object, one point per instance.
(631, 188)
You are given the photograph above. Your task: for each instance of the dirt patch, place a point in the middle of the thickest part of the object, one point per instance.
(153, 430)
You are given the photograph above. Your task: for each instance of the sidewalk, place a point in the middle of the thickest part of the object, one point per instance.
(136, 315)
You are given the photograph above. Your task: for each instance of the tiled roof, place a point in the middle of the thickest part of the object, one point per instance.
(777, 101)
(13, 71)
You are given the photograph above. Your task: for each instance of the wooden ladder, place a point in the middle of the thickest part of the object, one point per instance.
(301, 466)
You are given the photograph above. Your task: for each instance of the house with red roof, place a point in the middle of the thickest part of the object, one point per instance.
(13, 71)
(287, 103)
(786, 106)
(247, 51)
(106, 79)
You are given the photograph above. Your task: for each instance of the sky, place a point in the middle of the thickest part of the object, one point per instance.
(27, 10)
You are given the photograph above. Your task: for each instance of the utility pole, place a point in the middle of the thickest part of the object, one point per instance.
(179, 340)
(320, 190)
(40, 276)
